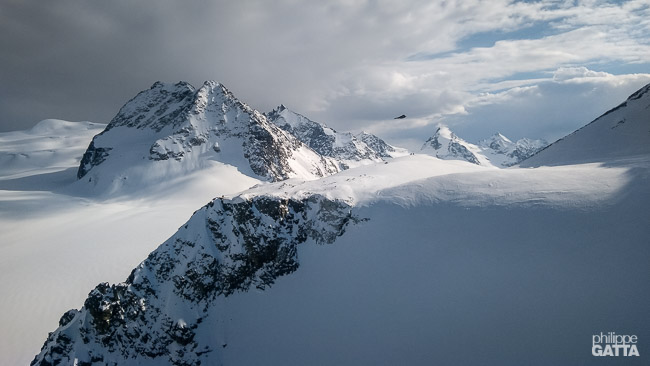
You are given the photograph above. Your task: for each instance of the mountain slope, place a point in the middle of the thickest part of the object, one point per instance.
(394, 281)
(346, 148)
(226, 247)
(621, 132)
(171, 130)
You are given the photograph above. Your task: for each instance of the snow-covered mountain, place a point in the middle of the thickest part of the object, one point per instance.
(58, 243)
(503, 152)
(496, 151)
(172, 129)
(413, 261)
(247, 279)
(227, 246)
(623, 131)
(349, 150)
(378, 145)
(444, 144)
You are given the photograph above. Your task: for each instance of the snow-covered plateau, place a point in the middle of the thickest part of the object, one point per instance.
(408, 259)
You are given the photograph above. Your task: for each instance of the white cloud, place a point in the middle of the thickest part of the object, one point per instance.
(569, 73)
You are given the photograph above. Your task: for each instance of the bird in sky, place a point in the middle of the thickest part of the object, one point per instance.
(400, 117)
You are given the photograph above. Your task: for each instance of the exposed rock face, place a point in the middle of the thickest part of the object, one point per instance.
(177, 129)
(383, 149)
(226, 247)
(92, 157)
(163, 105)
(347, 149)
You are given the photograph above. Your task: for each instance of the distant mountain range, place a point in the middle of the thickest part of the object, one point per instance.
(349, 150)
(497, 150)
(172, 129)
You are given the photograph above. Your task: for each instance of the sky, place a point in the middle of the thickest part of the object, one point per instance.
(537, 69)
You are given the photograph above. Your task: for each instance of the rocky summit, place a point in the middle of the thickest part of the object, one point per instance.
(172, 129)
(348, 150)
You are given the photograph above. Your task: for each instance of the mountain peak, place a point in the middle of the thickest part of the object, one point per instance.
(347, 149)
(163, 85)
(173, 129)
(499, 136)
(498, 143)
(217, 88)
(159, 106)
(211, 101)
(284, 114)
(211, 83)
(444, 144)
(497, 150)
(503, 152)
(445, 132)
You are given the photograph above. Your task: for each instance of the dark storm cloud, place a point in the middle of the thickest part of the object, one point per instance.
(82, 60)
(72, 60)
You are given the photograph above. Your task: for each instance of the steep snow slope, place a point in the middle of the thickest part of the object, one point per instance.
(422, 264)
(622, 131)
(172, 130)
(56, 245)
(347, 149)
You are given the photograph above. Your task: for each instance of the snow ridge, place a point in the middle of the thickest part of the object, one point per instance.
(349, 150)
(161, 106)
(227, 246)
(444, 144)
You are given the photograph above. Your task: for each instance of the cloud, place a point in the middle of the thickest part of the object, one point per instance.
(354, 64)
(549, 109)
(569, 73)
